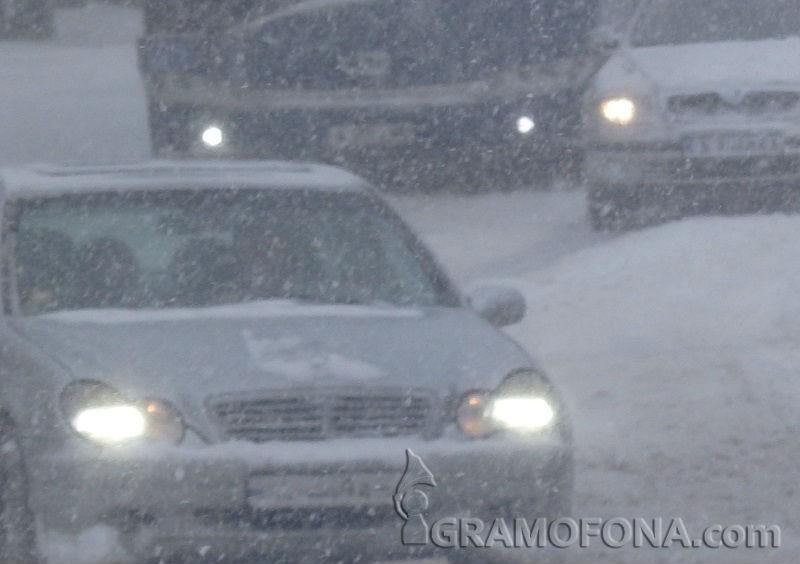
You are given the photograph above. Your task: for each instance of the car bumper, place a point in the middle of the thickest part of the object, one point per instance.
(642, 176)
(188, 499)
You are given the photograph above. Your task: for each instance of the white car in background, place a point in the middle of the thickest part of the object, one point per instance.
(697, 112)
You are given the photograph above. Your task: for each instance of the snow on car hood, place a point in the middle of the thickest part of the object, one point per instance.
(187, 355)
(697, 66)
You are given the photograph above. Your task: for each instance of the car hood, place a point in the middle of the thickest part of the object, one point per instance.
(187, 355)
(700, 66)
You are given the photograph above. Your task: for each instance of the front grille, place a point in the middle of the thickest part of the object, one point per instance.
(752, 103)
(324, 413)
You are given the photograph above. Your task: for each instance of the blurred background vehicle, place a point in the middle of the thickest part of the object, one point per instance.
(698, 112)
(407, 93)
(26, 18)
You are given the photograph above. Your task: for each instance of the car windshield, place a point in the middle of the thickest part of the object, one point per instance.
(213, 247)
(676, 22)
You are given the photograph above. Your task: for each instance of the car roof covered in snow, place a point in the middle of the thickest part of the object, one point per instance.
(45, 180)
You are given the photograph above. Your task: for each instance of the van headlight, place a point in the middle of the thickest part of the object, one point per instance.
(620, 110)
(521, 403)
(99, 413)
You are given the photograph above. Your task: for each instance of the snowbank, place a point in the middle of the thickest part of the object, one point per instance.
(677, 351)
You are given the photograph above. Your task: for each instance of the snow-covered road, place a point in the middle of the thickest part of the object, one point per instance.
(675, 347)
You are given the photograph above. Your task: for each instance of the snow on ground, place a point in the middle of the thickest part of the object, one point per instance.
(677, 350)
(76, 99)
(676, 347)
(478, 237)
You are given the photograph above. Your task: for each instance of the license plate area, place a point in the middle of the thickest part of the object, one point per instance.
(734, 144)
(370, 135)
(267, 490)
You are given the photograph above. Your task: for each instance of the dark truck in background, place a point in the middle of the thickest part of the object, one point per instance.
(29, 19)
(405, 92)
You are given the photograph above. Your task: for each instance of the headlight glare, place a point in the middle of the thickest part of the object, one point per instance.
(213, 136)
(522, 413)
(101, 414)
(525, 124)
(620, 111)
(110, 424)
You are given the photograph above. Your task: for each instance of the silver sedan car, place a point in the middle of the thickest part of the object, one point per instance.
(220, 361)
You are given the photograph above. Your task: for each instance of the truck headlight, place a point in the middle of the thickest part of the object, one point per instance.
(100, 414)
(621, 110)
(525, 125)
(212, 136)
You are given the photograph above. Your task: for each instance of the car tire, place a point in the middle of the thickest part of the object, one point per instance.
(17, 526)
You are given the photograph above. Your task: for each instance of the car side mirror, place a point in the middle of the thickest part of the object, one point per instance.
(499, 305)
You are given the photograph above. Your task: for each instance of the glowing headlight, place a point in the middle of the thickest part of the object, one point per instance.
(110, 424)
(618, 110)
(522, 413)
(99, 413)
(525, 124)
(212, 136)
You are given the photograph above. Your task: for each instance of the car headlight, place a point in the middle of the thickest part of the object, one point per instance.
(525, 124)
(523, 402)
(213, 136)
(621, 110)
(522, 413)
(100, 414)
(110, 423)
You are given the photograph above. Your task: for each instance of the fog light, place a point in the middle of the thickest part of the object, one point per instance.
(525, 124)
(213, 136)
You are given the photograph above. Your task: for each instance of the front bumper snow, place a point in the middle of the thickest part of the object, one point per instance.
(199, 502)
(657, 182)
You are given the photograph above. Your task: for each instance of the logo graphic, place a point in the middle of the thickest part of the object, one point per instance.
(410, 502)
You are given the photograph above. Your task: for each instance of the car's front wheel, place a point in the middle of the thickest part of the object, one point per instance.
(17, 527)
